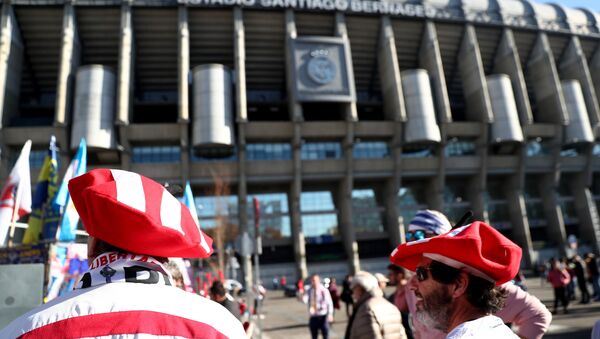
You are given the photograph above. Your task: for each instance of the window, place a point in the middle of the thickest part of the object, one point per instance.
(214, 155)
(537, 148)
(458, 148)
(417, 151)
(319, 217)
(211, 209)
(533, 203)
(274, 216)
(274, 151)
(371, 149)
(456, 203)
(496, 205)
(411, 198)
(156, 154)
(366, 215)
(321, 150)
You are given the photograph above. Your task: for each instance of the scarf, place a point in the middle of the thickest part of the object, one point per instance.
(114, 267)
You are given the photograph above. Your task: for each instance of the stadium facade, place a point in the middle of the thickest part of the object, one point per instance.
(343, 117)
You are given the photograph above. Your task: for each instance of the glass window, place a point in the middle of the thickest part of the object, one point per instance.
(209, 207)
(156, 154)
(411, 198)
(596, 150)
(214, 156)
(536, 148)
(371, 149)
(319, 217)
(274, 217)
(417, 151)
(36, 158)
(457, 148)
(321, 150)
(366, 215)
(274, 151)
(456, 203)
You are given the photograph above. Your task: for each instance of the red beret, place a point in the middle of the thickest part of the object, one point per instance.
(137, 214)
(477, 248)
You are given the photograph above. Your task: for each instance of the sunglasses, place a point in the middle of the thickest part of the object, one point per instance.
(415, 235)
(421, 273)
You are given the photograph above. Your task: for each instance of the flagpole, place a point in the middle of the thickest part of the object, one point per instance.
(15, 216)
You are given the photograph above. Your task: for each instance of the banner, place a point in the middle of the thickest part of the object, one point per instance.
(70, 218)
(17, 184)
(24, 254)
(43, 215)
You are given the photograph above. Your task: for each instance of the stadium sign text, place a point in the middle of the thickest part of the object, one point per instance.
(356, 6)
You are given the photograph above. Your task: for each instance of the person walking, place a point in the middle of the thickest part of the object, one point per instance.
(335, 296)
(320, 308)
(346, 295)
(373, 316)
(559, 278)
(580, 273)
(398, 278)
(134, 226)
(593, 274)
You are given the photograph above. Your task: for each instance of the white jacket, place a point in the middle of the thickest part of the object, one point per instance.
(127, 310)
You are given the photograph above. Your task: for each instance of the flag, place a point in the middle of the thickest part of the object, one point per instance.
(18, 179)
(188, 200)
(42, 213)
(70, 218)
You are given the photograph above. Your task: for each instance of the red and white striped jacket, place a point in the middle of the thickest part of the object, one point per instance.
(124, 311)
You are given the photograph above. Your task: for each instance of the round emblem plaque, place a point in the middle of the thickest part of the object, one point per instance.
(321, 70)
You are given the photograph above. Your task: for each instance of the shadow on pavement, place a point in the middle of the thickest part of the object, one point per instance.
(580, 334)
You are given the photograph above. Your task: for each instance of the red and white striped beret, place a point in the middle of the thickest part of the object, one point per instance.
(137, 214)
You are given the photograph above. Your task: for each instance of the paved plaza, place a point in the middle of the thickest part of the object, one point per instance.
(287, 317)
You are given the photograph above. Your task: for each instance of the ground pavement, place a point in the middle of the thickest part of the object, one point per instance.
(287, 318)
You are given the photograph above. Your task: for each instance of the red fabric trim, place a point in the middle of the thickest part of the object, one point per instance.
(126, 322)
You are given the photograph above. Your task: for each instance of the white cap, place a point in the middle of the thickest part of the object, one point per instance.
(365, 280)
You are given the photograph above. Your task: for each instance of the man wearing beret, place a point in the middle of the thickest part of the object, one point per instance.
(522, 309)
(134, 226)
(456, 279)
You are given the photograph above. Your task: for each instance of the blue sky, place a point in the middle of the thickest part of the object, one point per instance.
(591, 4)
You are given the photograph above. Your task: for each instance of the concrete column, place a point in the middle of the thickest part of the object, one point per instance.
(473, 78)
(573, 65)
(346, 224)
(478, 183)
(11, 60)
(240, 65)
(183, 60)
(430, 59)
(294, 205)
(389, 73)
(507, 62)
(594, 67)
(294, 107)
(393, 219)
(520, 223)
(295, 110)
(239, 46)
(70, 59)
(556, 223)
(183, 115)
(546, 83)
(589, 221)
(124, 83)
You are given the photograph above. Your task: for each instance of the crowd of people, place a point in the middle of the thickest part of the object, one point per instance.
(448, 282)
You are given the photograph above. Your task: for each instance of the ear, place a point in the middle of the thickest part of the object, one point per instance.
(460, 285)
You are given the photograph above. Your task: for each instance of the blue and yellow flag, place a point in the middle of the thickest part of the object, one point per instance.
(43, 216)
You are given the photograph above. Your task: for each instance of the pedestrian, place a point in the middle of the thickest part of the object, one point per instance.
(275, 283)
(456, 280)
(335, 296)
(382, 282)
(346, 295)
(593, 274)
(300, 287)
(580, 273)
(320, 308)
(283, 281)
(521, 308)
(218, 293)
(176, 274)
(134, 225)
(559, 278)
(570, 288)
(398, 278)
(373, 316)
